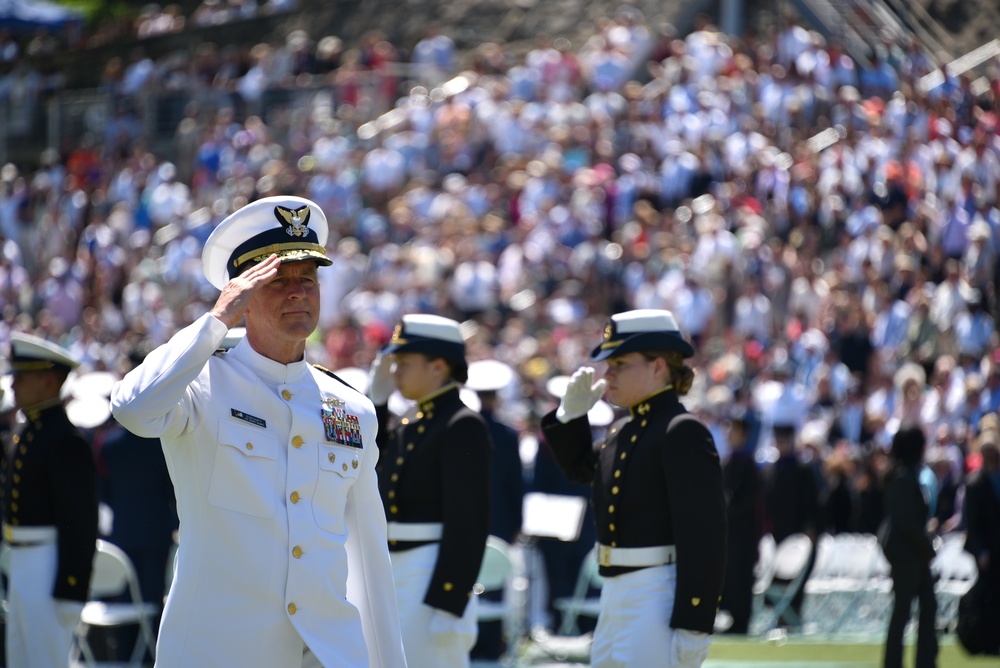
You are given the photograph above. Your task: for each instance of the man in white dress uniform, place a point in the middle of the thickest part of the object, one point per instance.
(283, 558)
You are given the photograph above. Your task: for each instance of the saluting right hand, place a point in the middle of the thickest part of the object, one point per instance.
(581, 395)
(380, 381)
(236, 294)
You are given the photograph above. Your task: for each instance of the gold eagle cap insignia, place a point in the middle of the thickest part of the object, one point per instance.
(294, 221)
(609, 331)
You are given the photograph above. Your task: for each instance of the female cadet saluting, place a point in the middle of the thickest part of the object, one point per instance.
(434, 477)
(659, 506)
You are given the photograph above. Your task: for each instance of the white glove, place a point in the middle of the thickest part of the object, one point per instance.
(688, 648)
(68, 613)
(380, 381)
(444, 623)
(581, 395)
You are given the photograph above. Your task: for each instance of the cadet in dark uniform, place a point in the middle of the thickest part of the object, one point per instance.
(434, 477)
(791, 505)
(49, 510)
(745, 512)
(487, 378)
(658, 498)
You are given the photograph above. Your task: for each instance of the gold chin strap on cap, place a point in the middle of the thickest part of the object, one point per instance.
(260, 254)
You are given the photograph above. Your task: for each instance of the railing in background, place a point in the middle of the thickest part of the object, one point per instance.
(53, 118)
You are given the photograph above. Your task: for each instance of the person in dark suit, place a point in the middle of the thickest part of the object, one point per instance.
(908, 548)
(744, 506)
(434, 478)
(49, 509)
(659, 503)
(791, 504)
(138, 490)
(487, 378)
(982, 537)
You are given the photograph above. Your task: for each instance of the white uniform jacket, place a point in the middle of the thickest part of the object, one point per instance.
(282, 531)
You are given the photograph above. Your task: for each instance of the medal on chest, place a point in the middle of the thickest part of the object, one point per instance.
(341, 427)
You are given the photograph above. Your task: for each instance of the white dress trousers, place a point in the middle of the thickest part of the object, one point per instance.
(282, 532)
(412, 571)
(39, 628)
(633, 626)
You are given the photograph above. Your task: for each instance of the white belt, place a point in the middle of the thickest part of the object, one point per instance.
(36, 535)
(657, 555)
(414, 531)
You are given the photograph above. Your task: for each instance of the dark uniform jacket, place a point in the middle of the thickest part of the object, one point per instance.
(656, 481)
(791, 498)
(903, 534)
(49, 479)
(507, 482)
(436, 468)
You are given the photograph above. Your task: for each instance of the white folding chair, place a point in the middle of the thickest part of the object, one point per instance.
(580, 603)
(956, 572)
(502, 571)
(791, 559)
(115, 575)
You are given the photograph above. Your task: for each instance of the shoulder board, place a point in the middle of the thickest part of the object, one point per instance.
(331, 374)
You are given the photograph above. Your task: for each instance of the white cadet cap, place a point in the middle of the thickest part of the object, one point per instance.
(88, 412)
(470, 399)
(93, 384)
(641, 330)
(489, 376)
(31, 353)
(556, 386)
(601, 414)
(89, 404)
(428, 334)
(292, 227)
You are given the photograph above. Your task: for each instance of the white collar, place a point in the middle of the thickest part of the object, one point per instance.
(271, 372)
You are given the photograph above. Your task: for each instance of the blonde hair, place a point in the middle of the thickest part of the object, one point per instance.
(682, 376)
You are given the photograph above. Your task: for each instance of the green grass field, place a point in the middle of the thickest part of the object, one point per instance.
(808, 651)
(816, 652)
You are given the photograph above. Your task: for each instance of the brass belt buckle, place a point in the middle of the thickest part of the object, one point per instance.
(603, 555)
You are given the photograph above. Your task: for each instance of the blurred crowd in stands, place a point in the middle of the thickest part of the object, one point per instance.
(827, 234)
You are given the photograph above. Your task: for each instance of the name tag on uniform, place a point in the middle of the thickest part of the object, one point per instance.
(246, 417)
(341, 427)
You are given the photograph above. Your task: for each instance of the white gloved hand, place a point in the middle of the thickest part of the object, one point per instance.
(688, 648)
(68, 613)
(581, 395)
(444, 623)
(380, 381)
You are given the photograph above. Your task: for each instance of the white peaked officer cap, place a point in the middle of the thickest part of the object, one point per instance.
(489, 376)
(294, 228)
(31, 353)
(430, 335)
(642, 330)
